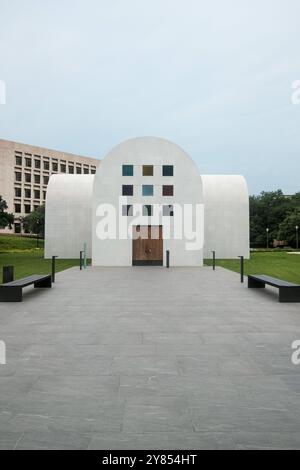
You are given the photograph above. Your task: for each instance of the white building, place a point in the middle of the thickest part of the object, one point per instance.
(147, 198)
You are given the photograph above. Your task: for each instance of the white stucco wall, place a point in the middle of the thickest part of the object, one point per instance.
(68, 215)
(73, 200)
(226, 203)
(108, 188)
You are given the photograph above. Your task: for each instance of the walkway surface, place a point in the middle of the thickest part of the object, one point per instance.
(141, 358)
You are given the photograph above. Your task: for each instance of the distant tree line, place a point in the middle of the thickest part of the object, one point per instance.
(276, 212)
(32, 223)
(35, 222)
(6, 219)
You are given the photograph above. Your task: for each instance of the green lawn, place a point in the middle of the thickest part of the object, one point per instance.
(32, 263)
(277, 264)
(23, 254)
(10, 243)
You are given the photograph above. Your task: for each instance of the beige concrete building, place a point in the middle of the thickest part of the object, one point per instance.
(25, 171)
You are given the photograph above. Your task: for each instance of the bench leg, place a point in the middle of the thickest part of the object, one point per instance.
(11, 294)
(254, 284)
(289, 294)
(44, 283)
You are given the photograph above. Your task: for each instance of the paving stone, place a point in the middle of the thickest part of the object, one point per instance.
(149, 358)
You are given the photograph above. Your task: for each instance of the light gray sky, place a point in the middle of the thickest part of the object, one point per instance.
(213, 76)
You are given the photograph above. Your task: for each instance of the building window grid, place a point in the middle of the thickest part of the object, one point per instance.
(148, 190)
(18, 176)
(27, 208)
(147, 210)
(18, 192)
(28, 162)
(37, 178)
(46, 165)
(147, 170)
(18, 160)
(35, 167)
(27, 177)
(27, 193)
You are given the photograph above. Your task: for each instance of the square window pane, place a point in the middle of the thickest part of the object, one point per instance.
(17, 228)
(168, 211)
(127, 190)
(147, 210)
(167, 190)
(147, 189)
(168, 170)
(127, 170)
(127, 210)
(147, 170)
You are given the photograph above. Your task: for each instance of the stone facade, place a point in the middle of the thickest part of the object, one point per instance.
(25, 171)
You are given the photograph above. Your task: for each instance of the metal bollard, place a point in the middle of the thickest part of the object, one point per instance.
(84, 255)
(53, 268)
(214, 260)
(168, 258)
(81, 260)
(242, 268)
(8, 274)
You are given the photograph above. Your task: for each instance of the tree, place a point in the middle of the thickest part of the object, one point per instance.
(6, 219)
(287, 228)
(35, 222)
(269, 210)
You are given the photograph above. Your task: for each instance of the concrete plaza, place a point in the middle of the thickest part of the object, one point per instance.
(146, 357)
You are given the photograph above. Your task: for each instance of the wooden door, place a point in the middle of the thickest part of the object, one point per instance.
(147, 245)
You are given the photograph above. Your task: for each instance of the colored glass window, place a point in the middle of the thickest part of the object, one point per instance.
(147, 190)
(168, 190)
(127, 170)
(127, 190)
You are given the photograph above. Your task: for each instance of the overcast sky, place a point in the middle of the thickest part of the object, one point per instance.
(213, 76)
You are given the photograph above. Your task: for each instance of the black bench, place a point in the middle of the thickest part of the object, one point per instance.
(288, 292)
(12, 291)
